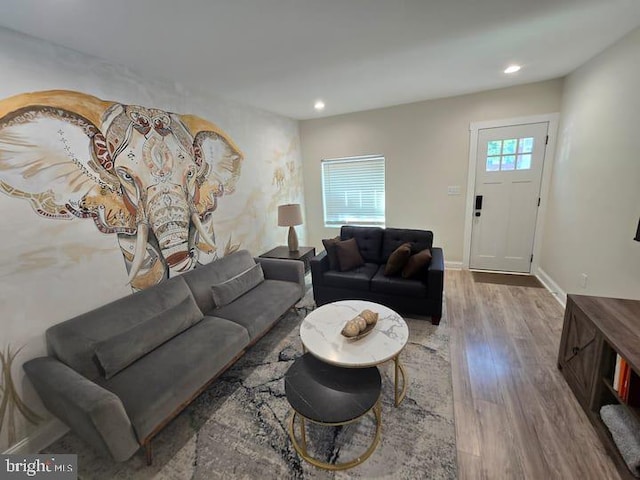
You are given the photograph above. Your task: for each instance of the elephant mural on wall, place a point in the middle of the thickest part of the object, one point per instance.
(151, 177)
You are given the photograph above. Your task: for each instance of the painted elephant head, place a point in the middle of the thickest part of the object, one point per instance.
(149, 176)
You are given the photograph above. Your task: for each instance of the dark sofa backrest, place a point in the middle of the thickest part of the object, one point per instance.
(369, 241)
(394, 237)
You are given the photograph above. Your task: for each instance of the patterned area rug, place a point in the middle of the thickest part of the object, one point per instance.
(238, 427)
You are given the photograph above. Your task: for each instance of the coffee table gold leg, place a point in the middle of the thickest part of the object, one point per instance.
(399, 369)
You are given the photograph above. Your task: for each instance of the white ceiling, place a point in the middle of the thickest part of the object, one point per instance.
(282, 55)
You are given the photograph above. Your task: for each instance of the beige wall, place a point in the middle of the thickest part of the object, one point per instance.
(594, 201)
(426, 146)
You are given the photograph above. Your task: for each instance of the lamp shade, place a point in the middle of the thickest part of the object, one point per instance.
(289, 215)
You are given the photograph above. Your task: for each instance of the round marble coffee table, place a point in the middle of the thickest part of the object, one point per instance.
(320, 335)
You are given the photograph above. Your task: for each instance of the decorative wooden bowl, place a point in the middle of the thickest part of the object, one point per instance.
(365, 331)
(362, 334)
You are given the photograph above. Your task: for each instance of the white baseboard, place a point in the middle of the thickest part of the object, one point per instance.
(453, 265)
(40, 439)
(552, 286)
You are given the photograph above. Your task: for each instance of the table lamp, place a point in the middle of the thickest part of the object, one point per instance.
(290, 215)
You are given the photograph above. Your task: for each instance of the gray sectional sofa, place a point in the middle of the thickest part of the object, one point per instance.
(118, 374)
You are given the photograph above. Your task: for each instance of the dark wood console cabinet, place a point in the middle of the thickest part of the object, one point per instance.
(595, 330)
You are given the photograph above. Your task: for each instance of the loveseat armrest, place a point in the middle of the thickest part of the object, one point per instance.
(92, 412)
(319, 266)
(435, 282)
(283, 269)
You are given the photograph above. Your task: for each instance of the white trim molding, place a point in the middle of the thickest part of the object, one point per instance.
(40, 439)
(452, 265)
(549, 157)
(552, 286)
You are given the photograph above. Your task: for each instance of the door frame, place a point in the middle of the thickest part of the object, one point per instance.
(547, 169)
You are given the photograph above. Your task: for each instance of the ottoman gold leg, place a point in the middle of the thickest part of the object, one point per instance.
(301, 447)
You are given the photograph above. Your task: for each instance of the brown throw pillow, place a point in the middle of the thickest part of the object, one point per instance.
(397, 260)
(348, 255)
(330, 247)
(416, 263)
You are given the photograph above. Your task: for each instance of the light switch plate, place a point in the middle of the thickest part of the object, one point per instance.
(453, 190)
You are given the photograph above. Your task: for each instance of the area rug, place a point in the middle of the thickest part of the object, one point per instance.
(237, 429)
(507, 279)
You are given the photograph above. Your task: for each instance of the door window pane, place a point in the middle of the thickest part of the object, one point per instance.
(508, 162)
(524, 162)
(509, 146)
(525, 145)
(501, 154)
(493, 164)
(494, 147)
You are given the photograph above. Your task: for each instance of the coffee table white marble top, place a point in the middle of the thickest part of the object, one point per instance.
(320, 335)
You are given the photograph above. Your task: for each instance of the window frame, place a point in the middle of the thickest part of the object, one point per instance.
(352, 159)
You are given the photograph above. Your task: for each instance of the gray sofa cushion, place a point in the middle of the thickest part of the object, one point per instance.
(402, 287)
(356, 279)
(159, 383)
(259, 308)
(226, 292)
(203, 277)
(73, 341)
(123, 349)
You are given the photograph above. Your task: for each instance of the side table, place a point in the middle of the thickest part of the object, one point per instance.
(304, 254)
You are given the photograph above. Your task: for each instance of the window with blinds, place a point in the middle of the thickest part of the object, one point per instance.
(353, 191)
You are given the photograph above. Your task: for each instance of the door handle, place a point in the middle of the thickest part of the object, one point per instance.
(478, 203)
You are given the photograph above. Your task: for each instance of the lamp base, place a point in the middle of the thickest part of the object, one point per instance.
(293, 240)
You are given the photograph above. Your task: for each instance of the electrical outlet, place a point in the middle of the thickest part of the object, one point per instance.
(453, 190)
(583, 280)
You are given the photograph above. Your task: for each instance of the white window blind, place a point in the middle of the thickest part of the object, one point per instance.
(353, 191)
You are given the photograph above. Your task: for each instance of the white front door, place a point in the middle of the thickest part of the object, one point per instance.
(507, 192)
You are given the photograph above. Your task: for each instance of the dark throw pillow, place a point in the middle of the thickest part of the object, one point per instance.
(416, 263)
(348, 255)
(397, 260)
(330, 247)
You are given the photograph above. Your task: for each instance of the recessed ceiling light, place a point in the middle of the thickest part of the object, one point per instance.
(512, 69)
(319, 105)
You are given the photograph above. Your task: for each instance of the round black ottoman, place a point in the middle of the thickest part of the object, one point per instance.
(332, 396)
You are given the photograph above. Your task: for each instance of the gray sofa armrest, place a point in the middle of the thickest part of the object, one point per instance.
(283, 269)
(93, 413)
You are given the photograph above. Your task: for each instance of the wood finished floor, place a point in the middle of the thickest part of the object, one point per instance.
(515, 415)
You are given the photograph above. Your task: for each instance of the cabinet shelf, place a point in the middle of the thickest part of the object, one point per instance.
(595, 331)
(634, 410)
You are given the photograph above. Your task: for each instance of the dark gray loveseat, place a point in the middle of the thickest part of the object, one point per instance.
(421, 295)
(120, 373)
